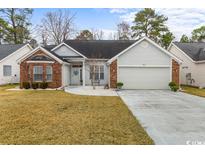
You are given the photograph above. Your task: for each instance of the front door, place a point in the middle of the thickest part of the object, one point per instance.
(75, 76)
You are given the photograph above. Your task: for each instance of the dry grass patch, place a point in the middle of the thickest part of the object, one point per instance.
(56, 117)
(194, 91)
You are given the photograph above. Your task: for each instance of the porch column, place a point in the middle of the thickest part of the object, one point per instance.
(83, 72)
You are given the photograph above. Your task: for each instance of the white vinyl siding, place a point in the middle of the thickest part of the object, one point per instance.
(38, 73)
(49, 73)
(65, 51)
(7, 70)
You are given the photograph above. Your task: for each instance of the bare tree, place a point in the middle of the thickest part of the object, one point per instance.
(43, 35)
(57, 26)
(112, 36)
(97, 34)
(123, 31)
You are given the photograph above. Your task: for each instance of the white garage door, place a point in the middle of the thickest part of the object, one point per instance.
(144, 78)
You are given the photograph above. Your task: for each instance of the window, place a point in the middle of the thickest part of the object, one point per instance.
(38, 73)
(102, 72)
(49, 73)
(7, 70)
(97, 71)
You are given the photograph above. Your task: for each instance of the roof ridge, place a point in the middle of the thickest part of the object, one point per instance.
(15, 44)
(187, 42)
(100, 40)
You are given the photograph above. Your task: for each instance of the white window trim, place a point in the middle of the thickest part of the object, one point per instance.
(99, 65)
(34, 74)
(49, 74)
(4, 73)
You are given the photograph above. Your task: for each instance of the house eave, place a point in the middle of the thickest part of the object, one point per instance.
(43, 61)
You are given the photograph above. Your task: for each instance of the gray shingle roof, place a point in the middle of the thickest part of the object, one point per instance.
(195, 51)
(7, 49)
(100, 49)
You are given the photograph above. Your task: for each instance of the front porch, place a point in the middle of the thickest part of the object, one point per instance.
(73, 73)
(82, 72)
(88, 90)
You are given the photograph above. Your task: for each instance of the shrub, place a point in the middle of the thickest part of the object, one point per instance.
(119, 85)
(34, 85)
(26, 85)
(43, 85)
(173, 86)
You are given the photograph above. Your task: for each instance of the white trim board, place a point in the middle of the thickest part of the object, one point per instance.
(50, 62)
(149, 40)
(69, 48)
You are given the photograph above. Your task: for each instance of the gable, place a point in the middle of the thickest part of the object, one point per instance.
(195, 50)
(7, 49)
(144, 53)
(15, 51)
(64, 51)
(39, 56)
(40, 50)
(186, 60)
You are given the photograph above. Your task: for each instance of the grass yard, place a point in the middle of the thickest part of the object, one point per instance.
(194, 91)
(56, 117)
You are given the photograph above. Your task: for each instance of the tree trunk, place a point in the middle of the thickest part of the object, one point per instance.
(14, 25)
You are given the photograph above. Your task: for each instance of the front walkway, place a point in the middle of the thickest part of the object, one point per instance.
(88, 90)
(168, 117)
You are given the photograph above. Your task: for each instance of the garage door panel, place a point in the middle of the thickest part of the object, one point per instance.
(144, 78)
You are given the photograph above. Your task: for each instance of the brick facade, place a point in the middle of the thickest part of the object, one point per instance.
(25, 68)
(113, 74)
(175, 71)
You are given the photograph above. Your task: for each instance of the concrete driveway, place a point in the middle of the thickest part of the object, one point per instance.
(168, 117)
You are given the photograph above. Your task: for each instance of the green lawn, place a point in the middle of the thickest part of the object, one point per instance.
(56, 117)
(193, 91)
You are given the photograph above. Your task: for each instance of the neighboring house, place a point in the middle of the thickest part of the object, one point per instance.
(9, 68)
(192, 55)
(138, 64)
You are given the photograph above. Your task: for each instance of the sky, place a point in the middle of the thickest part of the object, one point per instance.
(180, 20)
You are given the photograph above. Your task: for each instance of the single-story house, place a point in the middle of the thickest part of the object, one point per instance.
(140, 64)
(9, 55)
(192, 55)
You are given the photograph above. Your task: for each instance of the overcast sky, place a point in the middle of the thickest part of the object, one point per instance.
(180, 21)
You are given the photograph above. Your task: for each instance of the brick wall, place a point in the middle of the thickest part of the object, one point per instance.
(113, 74)
(25, 68)
(175, 71)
